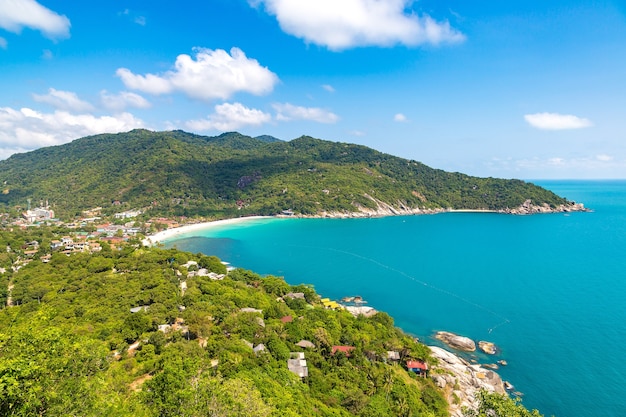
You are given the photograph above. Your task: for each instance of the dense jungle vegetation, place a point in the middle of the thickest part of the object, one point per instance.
(70, 344)
(182, 174)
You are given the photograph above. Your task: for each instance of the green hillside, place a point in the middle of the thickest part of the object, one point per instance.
(178, 173)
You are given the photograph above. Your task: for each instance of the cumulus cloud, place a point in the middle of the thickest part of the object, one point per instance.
(26, 129)
(351, 23)
(604, 158)
(213, 74)
(287, 112)
(399, 118)
(556, 121)
(63, 100)
(3, 43)
(18, 14)
(228, 117)
(123, 100)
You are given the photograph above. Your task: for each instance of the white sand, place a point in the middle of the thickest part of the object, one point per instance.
(170, 233)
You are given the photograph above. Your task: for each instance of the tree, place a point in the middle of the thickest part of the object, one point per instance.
(498, 405)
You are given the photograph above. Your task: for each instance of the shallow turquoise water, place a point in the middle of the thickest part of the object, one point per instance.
(549, 290)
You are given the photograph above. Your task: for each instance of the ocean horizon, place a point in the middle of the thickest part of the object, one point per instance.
(547, 289)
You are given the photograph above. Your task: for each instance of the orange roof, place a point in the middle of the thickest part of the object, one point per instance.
(344, 349)
(416, 365)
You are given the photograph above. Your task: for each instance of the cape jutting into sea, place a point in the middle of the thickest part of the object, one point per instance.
(549, 290)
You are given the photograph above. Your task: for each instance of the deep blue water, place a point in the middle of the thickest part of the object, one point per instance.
(549, 290)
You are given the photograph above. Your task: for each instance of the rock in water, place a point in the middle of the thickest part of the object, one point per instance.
(457, 342)
(487, 347)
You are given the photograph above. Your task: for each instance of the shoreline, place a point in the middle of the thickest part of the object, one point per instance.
(387, 211)
(159, 237)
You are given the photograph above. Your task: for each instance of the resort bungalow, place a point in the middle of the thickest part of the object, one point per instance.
(326, 302)
(347, 350)
(418, 367)
(297, 364)
(393, 356)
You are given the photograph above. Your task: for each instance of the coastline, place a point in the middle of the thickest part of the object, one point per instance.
(459, 379)
(382, 211)
(175, 231)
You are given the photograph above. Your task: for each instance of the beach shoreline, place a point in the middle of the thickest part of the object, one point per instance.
(175, 231)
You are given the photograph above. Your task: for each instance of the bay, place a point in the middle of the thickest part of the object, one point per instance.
(549, 290)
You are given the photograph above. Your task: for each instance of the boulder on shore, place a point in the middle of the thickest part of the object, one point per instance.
(462, 381)
(456, 342)
(487, 347)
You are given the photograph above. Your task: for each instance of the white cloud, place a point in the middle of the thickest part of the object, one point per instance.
(122, 100)
(556, 121)
(47, 54)
(63, 100)
(604, 158)
(3, 43)
(287, 112)
(399, 118)
(214, 74)
(356, 133)
(328, 88)
(18, 14)
(351, 23)
(140, 20)
(27, 129)
(228, 117)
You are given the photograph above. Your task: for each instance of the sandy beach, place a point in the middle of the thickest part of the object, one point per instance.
(170, 233)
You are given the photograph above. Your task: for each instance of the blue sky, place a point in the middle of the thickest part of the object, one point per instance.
(526, 89)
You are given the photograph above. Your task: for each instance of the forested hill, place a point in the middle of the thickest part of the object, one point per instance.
(179, 173)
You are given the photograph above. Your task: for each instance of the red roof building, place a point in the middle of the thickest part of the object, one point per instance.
(418, 367)
(345, 349)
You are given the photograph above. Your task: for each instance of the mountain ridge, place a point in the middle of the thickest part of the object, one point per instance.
(231, 175)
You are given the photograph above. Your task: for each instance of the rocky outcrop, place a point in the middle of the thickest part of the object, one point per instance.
(400, 208)
(456, 342)
(487, 347)
(529, 208)
(461, 381)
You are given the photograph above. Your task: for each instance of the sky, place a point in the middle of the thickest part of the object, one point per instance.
(528, 89)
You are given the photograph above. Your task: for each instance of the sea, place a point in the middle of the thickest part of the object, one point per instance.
(549, 290)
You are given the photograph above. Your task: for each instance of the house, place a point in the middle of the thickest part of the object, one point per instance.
(419, 367)
(305, 344)
(393, 356)
(251, 310)
(286, 319)
(297, 364)
(326, 302)
(30, 253)
(55, 244)
(347, 350)
(293, 295)
(127, 214)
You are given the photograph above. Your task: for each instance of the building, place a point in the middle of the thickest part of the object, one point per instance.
(297, 364)
(418, 367)
(347, 350)
(40, 214)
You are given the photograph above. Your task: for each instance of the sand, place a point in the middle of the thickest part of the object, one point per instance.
(170, 233)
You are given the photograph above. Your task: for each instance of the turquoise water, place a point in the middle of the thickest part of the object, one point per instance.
(549, 290)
